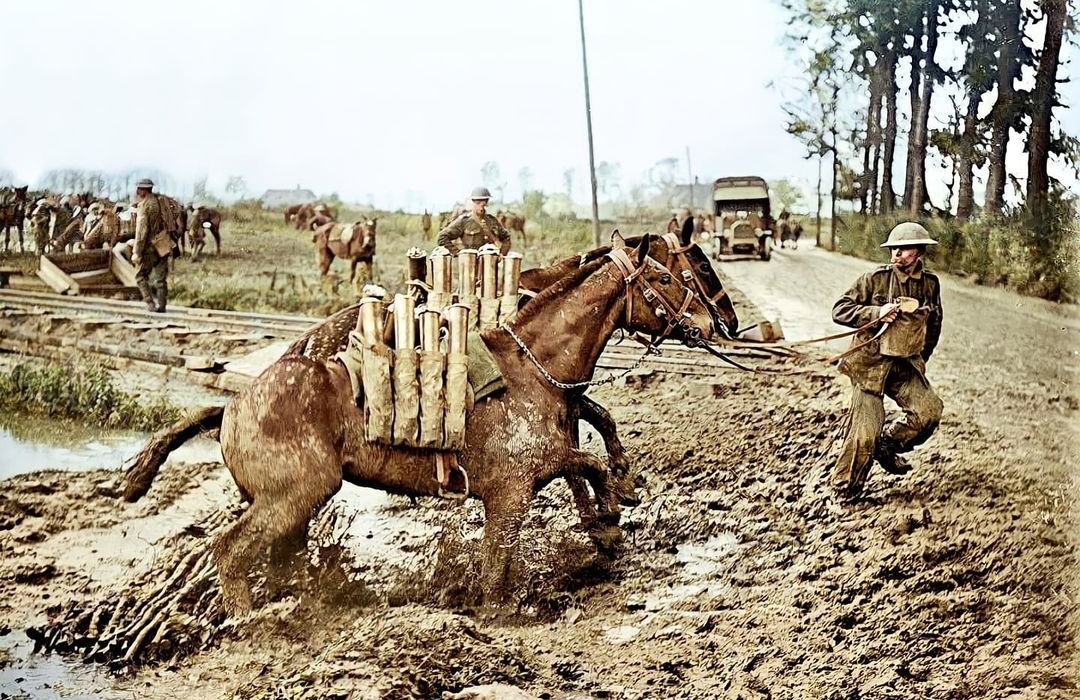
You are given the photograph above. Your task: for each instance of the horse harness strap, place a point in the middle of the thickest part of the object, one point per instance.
(675, 317)
(690, 276)
(631, 274)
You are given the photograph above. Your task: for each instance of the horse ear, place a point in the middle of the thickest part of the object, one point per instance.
(643, 249)
(617, 241)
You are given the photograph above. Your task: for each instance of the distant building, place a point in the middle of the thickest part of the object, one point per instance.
(272, 199)
(698, 195)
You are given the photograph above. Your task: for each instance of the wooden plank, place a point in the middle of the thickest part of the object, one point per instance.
(92, 278)
(56, 278)
(122, 268)
(6, 274)
(80, 262)
(111, 290)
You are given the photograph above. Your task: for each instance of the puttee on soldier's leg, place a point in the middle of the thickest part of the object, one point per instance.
(866, 416)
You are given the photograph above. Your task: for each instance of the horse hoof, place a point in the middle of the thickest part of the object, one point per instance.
(607, 539)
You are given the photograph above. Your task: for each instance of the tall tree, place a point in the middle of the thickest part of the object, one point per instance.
(1043, 101)
(976, 80)
(1008, 34)
(491, 176)
(920, 118)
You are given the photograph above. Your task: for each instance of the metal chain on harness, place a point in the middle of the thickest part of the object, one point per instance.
(649, 350)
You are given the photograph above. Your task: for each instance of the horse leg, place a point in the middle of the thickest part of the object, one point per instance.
(605, 534)
(599, 418)
(233, 556)
(504, 513)
(578, 488)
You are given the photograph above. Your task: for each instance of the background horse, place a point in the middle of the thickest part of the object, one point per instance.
(352, 241)
(296, 434)
(514, 223)
(197, 217)
(12, 213)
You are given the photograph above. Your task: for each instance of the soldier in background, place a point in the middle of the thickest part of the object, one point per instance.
(39, 224)
(475, 228)
(62, 216)
(152, 248)
(425, 224)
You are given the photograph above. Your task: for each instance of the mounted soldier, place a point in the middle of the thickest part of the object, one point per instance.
(474, 228)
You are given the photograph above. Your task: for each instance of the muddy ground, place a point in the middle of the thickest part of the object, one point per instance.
(742, 577)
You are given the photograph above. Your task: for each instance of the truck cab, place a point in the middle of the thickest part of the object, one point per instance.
(743, 224)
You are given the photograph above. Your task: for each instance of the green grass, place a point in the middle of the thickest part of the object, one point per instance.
(79, 390)
(269, 266)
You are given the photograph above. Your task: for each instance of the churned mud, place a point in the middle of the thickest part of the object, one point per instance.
(740, 577)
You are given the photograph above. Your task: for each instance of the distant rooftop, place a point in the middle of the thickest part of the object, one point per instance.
(285, 198)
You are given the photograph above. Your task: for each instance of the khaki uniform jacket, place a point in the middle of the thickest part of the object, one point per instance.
(148, 223)
(861, 304)
(467, 231)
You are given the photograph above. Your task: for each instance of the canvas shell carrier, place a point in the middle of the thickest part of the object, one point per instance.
(417, 364)
(906, 336)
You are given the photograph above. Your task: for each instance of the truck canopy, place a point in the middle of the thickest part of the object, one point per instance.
(740, 189)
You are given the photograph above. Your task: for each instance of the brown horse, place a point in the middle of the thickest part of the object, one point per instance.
(355, 242)
(514, 223)
(307, 213)
(692, 265)
(201, 220)
(12, 214)
(294, 436)
(291, 212)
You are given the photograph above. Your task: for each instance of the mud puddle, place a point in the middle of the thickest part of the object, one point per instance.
(30, 444)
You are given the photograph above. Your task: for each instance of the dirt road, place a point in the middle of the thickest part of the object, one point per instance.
(742, 577)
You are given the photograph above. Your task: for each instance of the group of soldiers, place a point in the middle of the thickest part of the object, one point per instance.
(72, 222)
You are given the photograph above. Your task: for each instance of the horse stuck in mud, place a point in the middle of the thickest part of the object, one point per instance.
(294, 436)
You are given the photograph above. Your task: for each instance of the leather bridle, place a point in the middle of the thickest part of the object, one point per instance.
(632, 275)
(692, 279)
(676, 317)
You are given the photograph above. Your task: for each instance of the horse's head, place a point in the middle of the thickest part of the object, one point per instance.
(691, 264)
(657, 301)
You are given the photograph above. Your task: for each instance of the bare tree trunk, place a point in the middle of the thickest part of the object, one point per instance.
(888, 195)
(1001, 116)
(1043, 100)
(965, 197)
(914, 92)
(921, 118)
(868, 196)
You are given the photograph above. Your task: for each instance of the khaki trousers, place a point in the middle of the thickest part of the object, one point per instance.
(920, 414)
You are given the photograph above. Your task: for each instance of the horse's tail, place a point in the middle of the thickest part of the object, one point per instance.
(148, 461)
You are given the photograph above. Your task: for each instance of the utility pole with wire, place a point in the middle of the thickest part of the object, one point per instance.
(690, 178)
(588, 123)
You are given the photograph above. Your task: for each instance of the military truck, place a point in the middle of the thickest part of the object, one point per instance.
(742, 222)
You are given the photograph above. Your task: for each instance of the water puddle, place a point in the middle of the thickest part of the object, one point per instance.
(30, 444)
(45, 676)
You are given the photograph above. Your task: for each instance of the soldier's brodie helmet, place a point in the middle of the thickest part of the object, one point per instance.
(480, 193)
(144, 184)
(907, 234)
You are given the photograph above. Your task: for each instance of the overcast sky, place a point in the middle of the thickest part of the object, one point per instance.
(394, 103)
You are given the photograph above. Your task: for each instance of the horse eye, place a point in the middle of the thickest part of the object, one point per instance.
(665, 278)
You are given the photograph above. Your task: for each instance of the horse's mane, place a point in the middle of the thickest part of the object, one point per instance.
(565, 283)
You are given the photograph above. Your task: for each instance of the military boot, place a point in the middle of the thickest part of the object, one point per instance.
(147, 294)
(886, 455)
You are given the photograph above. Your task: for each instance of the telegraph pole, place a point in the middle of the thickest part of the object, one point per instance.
(690, 179)
(588, 123)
